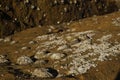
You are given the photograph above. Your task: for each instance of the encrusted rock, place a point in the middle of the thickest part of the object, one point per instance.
(83, 50)
(57, 56)
(41, 54)
(45, 73)
(24, 60)
(41, 62)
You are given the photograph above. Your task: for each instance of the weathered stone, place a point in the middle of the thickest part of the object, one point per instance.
(57, 56)
(24, 60)
(45, 72)
(41, 54)
(41, 62)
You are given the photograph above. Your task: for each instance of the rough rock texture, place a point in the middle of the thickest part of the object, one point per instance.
(17, 15)
(24, 60)
(45, 72)
(91, 47)
(81, 55)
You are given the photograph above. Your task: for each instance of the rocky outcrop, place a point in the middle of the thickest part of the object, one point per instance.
(75, 51)
(16, 15)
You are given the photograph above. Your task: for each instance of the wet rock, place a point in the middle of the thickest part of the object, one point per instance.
(57, 56)
(24, 60)
(45, 72)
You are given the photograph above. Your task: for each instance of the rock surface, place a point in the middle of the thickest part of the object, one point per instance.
(90, 46)
(24, 60)
(57, 56)
(43, 73)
